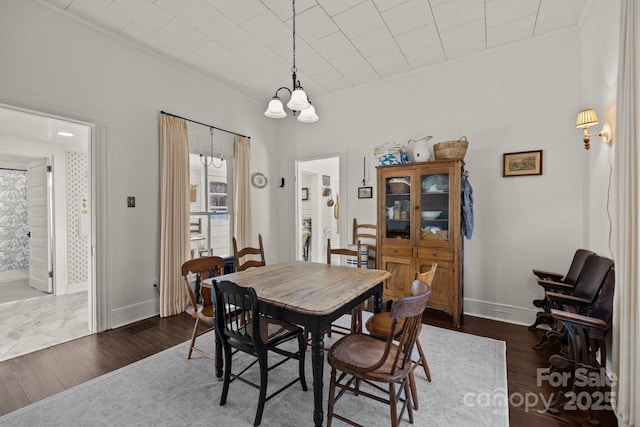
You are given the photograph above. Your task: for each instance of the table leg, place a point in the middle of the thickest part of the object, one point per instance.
(317, 363)
(377, 303)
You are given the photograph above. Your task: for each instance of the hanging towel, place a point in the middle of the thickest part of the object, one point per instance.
(467, 206)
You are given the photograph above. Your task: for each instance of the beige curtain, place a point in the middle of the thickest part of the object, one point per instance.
(242, 197)
(174, 213)
(626, 321)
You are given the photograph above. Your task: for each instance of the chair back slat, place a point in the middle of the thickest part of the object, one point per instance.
(248, 251)
(357, 253)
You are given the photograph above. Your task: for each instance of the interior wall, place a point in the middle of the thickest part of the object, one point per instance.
(62, 66)
(510, 99)
(598, 80)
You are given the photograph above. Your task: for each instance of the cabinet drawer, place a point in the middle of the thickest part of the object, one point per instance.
(436, 253)
(404, 251)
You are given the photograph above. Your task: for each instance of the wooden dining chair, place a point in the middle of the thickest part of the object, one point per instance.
(248, 251)
(353, 259)
(380, 324)
(367, 360)
(203, 268)
(367, 235)
(240, 326)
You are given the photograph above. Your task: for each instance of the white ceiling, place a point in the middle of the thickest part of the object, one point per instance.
(247, 44)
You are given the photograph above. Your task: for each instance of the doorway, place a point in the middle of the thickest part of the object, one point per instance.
(50, 264)
(318, 207)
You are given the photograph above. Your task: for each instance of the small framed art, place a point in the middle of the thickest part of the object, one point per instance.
(522, 163)
(326, 180)
(365, 192)
(305, 193)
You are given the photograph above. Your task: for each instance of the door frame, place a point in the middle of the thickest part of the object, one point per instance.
(342, 222)
(97, 295)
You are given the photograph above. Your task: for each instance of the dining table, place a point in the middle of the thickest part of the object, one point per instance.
(312, 295)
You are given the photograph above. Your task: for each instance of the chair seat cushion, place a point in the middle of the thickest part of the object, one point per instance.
(274, 330)
(358, 351)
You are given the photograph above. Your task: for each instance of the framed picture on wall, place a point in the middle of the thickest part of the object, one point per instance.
(522, 163)
(365, 192)
(326, 180)
(305, 193)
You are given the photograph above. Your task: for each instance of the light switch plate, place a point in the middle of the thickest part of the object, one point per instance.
(131, 202)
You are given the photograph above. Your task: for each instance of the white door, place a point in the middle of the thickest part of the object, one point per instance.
(38, 181)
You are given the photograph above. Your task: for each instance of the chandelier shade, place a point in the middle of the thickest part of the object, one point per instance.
(275, 109)
(308, 115)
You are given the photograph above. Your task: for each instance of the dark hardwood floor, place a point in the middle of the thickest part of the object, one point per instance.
(32, 377)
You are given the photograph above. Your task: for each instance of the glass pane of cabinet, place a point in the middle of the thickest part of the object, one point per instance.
(434, 207)
(398, 207)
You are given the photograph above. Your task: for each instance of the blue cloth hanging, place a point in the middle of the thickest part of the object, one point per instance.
(467, 206)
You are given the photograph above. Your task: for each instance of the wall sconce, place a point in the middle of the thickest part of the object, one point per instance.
(588, 118)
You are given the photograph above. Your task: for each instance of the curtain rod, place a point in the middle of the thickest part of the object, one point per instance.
(204, 124)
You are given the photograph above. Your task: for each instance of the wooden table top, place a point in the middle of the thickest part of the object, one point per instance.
(307, 287)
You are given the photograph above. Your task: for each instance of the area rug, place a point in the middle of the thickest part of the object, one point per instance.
(468, 388)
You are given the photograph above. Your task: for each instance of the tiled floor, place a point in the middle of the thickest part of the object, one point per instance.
(38, 322)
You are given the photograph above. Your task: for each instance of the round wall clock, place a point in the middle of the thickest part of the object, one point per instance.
(259, 180)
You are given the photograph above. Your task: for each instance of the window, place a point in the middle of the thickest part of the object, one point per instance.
(210, 207)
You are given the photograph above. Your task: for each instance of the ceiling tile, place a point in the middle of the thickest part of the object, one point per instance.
(282, 9)
(375, 42)
(389, 59)
(62, 4)
(363, 76)
(96, 13)
(359, 20)
(225, 32)
(312, 64)
(313, 24)
(503, 11)
(333, 46)
(467, 49)
(394, 70)
(558, 14)
(278, 68)
(254, 52)
(348, 63)
(467, 34)
(333, 7)
(146, 14)
(332, 80)
(455, 13)
(192, 12)
(216, 53)
(238, 11)
(178, 32)
(512, 31)
(383, 5)
(408, 16)
(419, 39)
(142, 36)
(267, 28)
(423, 58)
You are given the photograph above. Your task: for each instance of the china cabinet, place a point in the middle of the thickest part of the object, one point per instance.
(419, 224)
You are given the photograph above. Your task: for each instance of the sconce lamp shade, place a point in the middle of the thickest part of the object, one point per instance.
(275, 110)
(587, 118)
(298, 101)
(308, 116)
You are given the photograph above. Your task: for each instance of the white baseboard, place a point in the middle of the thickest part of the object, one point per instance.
(11, 275)
(502, 312)
(133, 313)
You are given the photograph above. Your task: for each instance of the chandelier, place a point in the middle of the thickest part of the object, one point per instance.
(298, 100)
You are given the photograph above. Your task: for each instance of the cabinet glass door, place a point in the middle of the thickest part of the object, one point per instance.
(434, 208)
(398, 207)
